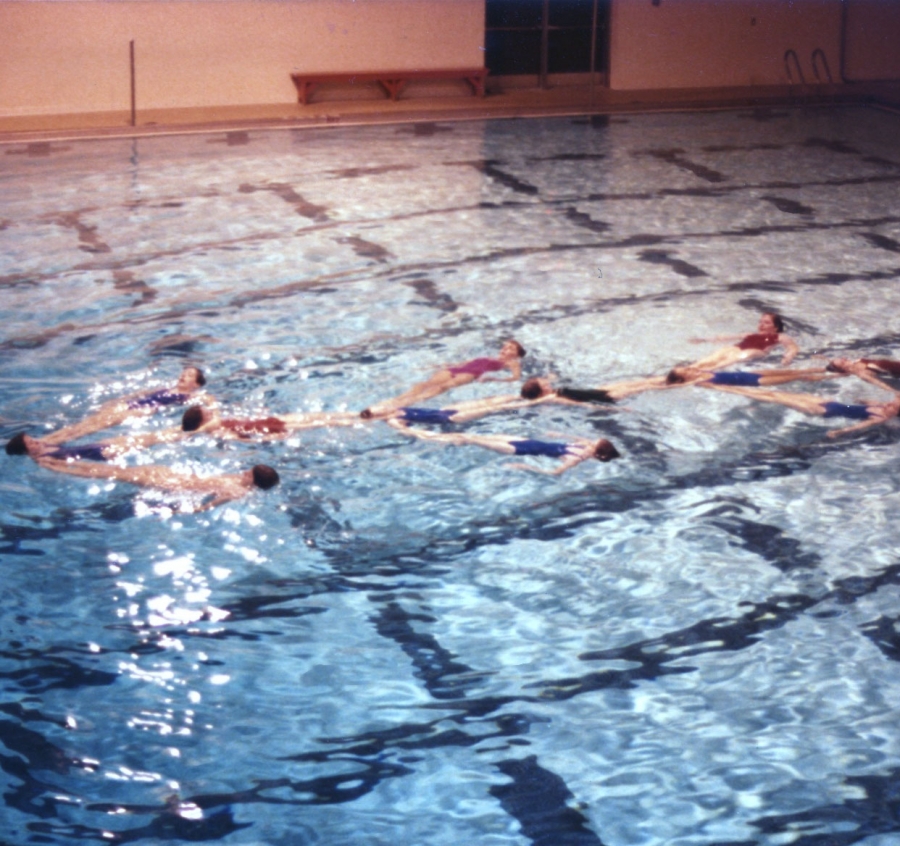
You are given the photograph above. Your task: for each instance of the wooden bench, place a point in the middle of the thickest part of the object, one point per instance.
(393, 82)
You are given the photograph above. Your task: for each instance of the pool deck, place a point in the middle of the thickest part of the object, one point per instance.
(508, 102)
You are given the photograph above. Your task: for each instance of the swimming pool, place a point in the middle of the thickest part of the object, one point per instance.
(695, 644)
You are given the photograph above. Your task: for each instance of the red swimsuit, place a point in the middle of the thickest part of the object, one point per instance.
(759, 341)
(263, 426)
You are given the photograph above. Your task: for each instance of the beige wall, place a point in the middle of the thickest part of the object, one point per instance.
(710, 43)
(65, 57)
(73, 56)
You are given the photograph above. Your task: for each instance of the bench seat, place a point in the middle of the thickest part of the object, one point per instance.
(393, 82)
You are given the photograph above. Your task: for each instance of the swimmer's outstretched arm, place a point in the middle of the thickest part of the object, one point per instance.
(425, 434)
(866, 424)
(92, 469)
(473, 410)
(716, 339)
(96, 422)
(630, 387)
(790, 349)
(115, 447)
(295, 421)
(565, 464)
(218, 500)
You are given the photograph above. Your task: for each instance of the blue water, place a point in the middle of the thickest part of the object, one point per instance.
(696, 644)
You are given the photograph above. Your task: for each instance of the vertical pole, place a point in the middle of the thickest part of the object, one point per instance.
(593, 53)
(133, 99)
(545, 37)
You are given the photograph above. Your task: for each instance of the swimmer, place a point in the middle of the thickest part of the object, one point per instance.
(883, 366)
(541, 389)
(769, 334)
(886, 366)
(690, 375)
(140, 404)
(869, 413)
(108, 449)
(535, 391)
(36, 448)
(570, 452)
(203, 420)
(222, 488)
(612, 392)
(454, 376)
(196, 419)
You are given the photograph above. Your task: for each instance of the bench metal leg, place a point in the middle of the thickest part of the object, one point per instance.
(393, 87)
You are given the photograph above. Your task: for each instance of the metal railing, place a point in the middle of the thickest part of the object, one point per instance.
(817, 54)
(788, 55)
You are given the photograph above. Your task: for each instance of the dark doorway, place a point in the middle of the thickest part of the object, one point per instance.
(546, 36)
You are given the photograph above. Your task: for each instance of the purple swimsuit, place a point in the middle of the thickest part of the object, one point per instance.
(159, 398)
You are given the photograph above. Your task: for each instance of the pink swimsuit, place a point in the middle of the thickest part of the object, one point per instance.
(477, 367)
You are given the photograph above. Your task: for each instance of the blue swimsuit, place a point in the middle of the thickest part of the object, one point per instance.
(549, 448)
(744, 380)
(86, 452)
(428, 415)
(838, 409)
(159, 398)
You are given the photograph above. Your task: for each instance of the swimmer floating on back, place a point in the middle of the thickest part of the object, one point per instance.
(141, 404)
(195, 419)
(769, 334)
(860, 368)
(453, 376)
(222, 488)
(869, 413)
(691, 375)
(570, 452)
(109, 450)
(535, 391)
(272, 427)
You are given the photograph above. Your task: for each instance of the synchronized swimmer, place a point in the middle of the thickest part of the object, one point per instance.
(102, 459)
(570, 452)
(456, 375)
(769, 334)
(141, 404)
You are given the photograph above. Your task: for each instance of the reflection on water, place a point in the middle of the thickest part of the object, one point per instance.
(695, 643)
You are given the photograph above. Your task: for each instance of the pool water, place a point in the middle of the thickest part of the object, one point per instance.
(696, 644)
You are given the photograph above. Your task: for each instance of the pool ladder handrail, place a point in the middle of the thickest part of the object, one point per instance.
(815, 66)
(788, 55)
(816, 58)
